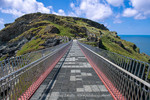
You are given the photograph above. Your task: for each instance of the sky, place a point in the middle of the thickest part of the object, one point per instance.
(126, 17)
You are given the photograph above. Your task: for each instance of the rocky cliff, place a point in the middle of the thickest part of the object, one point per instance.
(38, 31)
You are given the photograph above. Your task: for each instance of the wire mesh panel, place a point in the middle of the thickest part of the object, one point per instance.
(126, 78)
(12, 64)
(138, 68)
(28, 71)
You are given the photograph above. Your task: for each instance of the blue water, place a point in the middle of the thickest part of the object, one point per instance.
(141, 41)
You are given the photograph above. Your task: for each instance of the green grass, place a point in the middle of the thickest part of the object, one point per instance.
(92, 43)
(31, 46)
(3, 58)
(113, 47)
(64, 31)
(33, 31)
(41, 22)
(38, 32)
(89, 28)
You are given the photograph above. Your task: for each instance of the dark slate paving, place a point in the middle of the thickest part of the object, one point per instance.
(74, 80)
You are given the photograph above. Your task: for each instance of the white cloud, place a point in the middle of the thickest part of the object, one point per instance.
(20, 7)
(140, 16)
(142, 6)
(92, 9)
(12, 11)
(61, 12)
(115, 3)
(117, 19)
(72, 5)
(140, 9)
(1, 21)
(72, 14)
(77, 10)
(129, 12)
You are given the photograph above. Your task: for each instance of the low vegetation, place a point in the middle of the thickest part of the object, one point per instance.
(37, 30)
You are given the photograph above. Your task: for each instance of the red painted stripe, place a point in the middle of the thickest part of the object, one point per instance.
(31, 90)
(108, 84)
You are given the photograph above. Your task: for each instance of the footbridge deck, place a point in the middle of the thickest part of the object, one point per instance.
(73, 78)
(74, 71)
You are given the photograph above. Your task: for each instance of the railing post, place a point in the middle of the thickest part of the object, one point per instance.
(2, 68)
(135, 72)
(148, 70)
(5, 67)
(122, 62)
(133, 66)
(9, 65)
(143, 72)
(130, 64)
(12, 63)
(139, 69)
(128, 61)
(17, 62)
(125, 62)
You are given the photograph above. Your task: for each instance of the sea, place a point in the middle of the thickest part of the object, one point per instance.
(141, 41)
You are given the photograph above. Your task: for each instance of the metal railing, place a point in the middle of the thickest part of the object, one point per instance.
(25, 70)
(138, 68)
(126, 75)
(12, 64)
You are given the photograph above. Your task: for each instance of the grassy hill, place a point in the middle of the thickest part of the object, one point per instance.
(38, 31)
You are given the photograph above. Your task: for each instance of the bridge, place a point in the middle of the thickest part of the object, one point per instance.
(74, 71)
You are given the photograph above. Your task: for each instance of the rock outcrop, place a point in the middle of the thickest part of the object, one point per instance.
(51, 29)
(36, 31)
